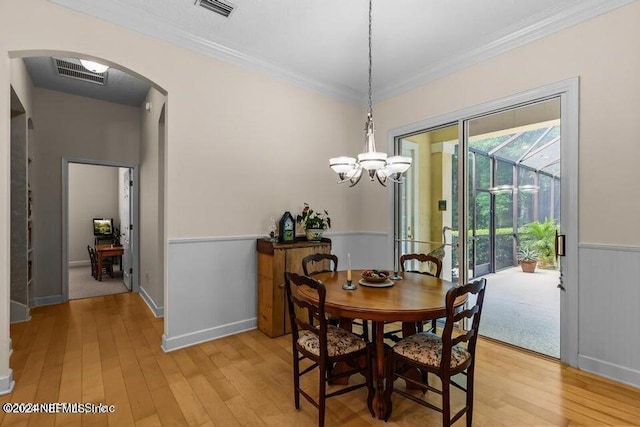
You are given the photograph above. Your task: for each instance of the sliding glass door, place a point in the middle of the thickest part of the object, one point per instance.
(427, 214)
(506, 203)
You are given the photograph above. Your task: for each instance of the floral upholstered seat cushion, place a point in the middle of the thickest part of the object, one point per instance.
(339, 342)
(426, 348)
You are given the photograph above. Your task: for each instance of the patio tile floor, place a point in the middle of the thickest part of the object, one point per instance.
(523, 309)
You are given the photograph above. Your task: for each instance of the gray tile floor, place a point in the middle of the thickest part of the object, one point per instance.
(523, 309)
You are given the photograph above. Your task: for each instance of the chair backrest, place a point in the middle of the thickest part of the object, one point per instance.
(315, 321)
(430, 259)
(310, 261)
(472, 309)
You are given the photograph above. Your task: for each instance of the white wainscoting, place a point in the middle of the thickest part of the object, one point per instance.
(212, 283)
(609, 313)
(7, 383)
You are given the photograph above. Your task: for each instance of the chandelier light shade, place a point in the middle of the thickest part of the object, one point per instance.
(93, 66)
(376, 163)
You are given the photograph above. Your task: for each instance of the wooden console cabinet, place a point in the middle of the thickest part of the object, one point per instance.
(273, 260)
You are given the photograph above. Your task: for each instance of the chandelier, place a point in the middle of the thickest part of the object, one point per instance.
(376, 163)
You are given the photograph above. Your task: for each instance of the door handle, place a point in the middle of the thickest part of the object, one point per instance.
(560, 245)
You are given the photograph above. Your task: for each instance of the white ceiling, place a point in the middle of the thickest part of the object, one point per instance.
(120, 87)
(322, 44)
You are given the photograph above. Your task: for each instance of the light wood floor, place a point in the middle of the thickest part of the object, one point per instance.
(107, 350)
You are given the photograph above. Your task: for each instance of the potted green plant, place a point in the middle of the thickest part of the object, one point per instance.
(528, 257)
(314, 222)
(541, 235)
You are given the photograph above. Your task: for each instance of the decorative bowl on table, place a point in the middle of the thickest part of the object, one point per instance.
(375, 276)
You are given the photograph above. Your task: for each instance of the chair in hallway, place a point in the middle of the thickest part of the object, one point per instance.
(444, 355)
(323, 344)
(107, 265)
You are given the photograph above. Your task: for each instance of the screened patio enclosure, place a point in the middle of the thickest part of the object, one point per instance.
(514, 180)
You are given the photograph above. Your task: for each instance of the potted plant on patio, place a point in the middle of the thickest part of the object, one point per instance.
(314, 223)
(541, 235)
(528, 258)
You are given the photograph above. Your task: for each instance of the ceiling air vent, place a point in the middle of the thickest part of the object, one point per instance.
(218, 7)
(78, 72)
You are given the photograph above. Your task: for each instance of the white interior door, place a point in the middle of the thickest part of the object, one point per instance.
(125, 224)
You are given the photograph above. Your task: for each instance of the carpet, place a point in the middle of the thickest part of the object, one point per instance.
(83, 285)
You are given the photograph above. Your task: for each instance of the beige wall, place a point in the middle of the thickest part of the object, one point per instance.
(603, 52)
(241, 146)
(434, 184)
(151, 224)
(93, 193)
(72, 127)
(232, 131)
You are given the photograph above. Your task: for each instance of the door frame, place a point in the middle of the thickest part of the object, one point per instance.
(568, 92)
(411, 146)
(135, 285)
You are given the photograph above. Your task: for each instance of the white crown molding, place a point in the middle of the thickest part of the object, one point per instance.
(523, 33)
(120, 13)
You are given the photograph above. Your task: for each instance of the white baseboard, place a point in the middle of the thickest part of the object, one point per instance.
(48, 300)
(158, 311)
(609, 370)
(79, 264)
(186, 340)
(7, 383)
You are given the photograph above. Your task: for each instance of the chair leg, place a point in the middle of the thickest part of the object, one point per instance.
(434, 323)
(446, 402)
(470, 373)
(365, 330)
(322, 369)
(425, 380)
(296, 378)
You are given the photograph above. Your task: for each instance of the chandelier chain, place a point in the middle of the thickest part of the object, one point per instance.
(370, 62)
(375, 164)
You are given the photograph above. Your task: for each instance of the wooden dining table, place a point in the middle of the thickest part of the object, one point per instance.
(103, 251)
(415, 298)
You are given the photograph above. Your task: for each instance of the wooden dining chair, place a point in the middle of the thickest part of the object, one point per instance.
(92, 259)
(434, 265)
(317, 261)
(426, 352)
(434, 268)
(323, 344)
(107, 265)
